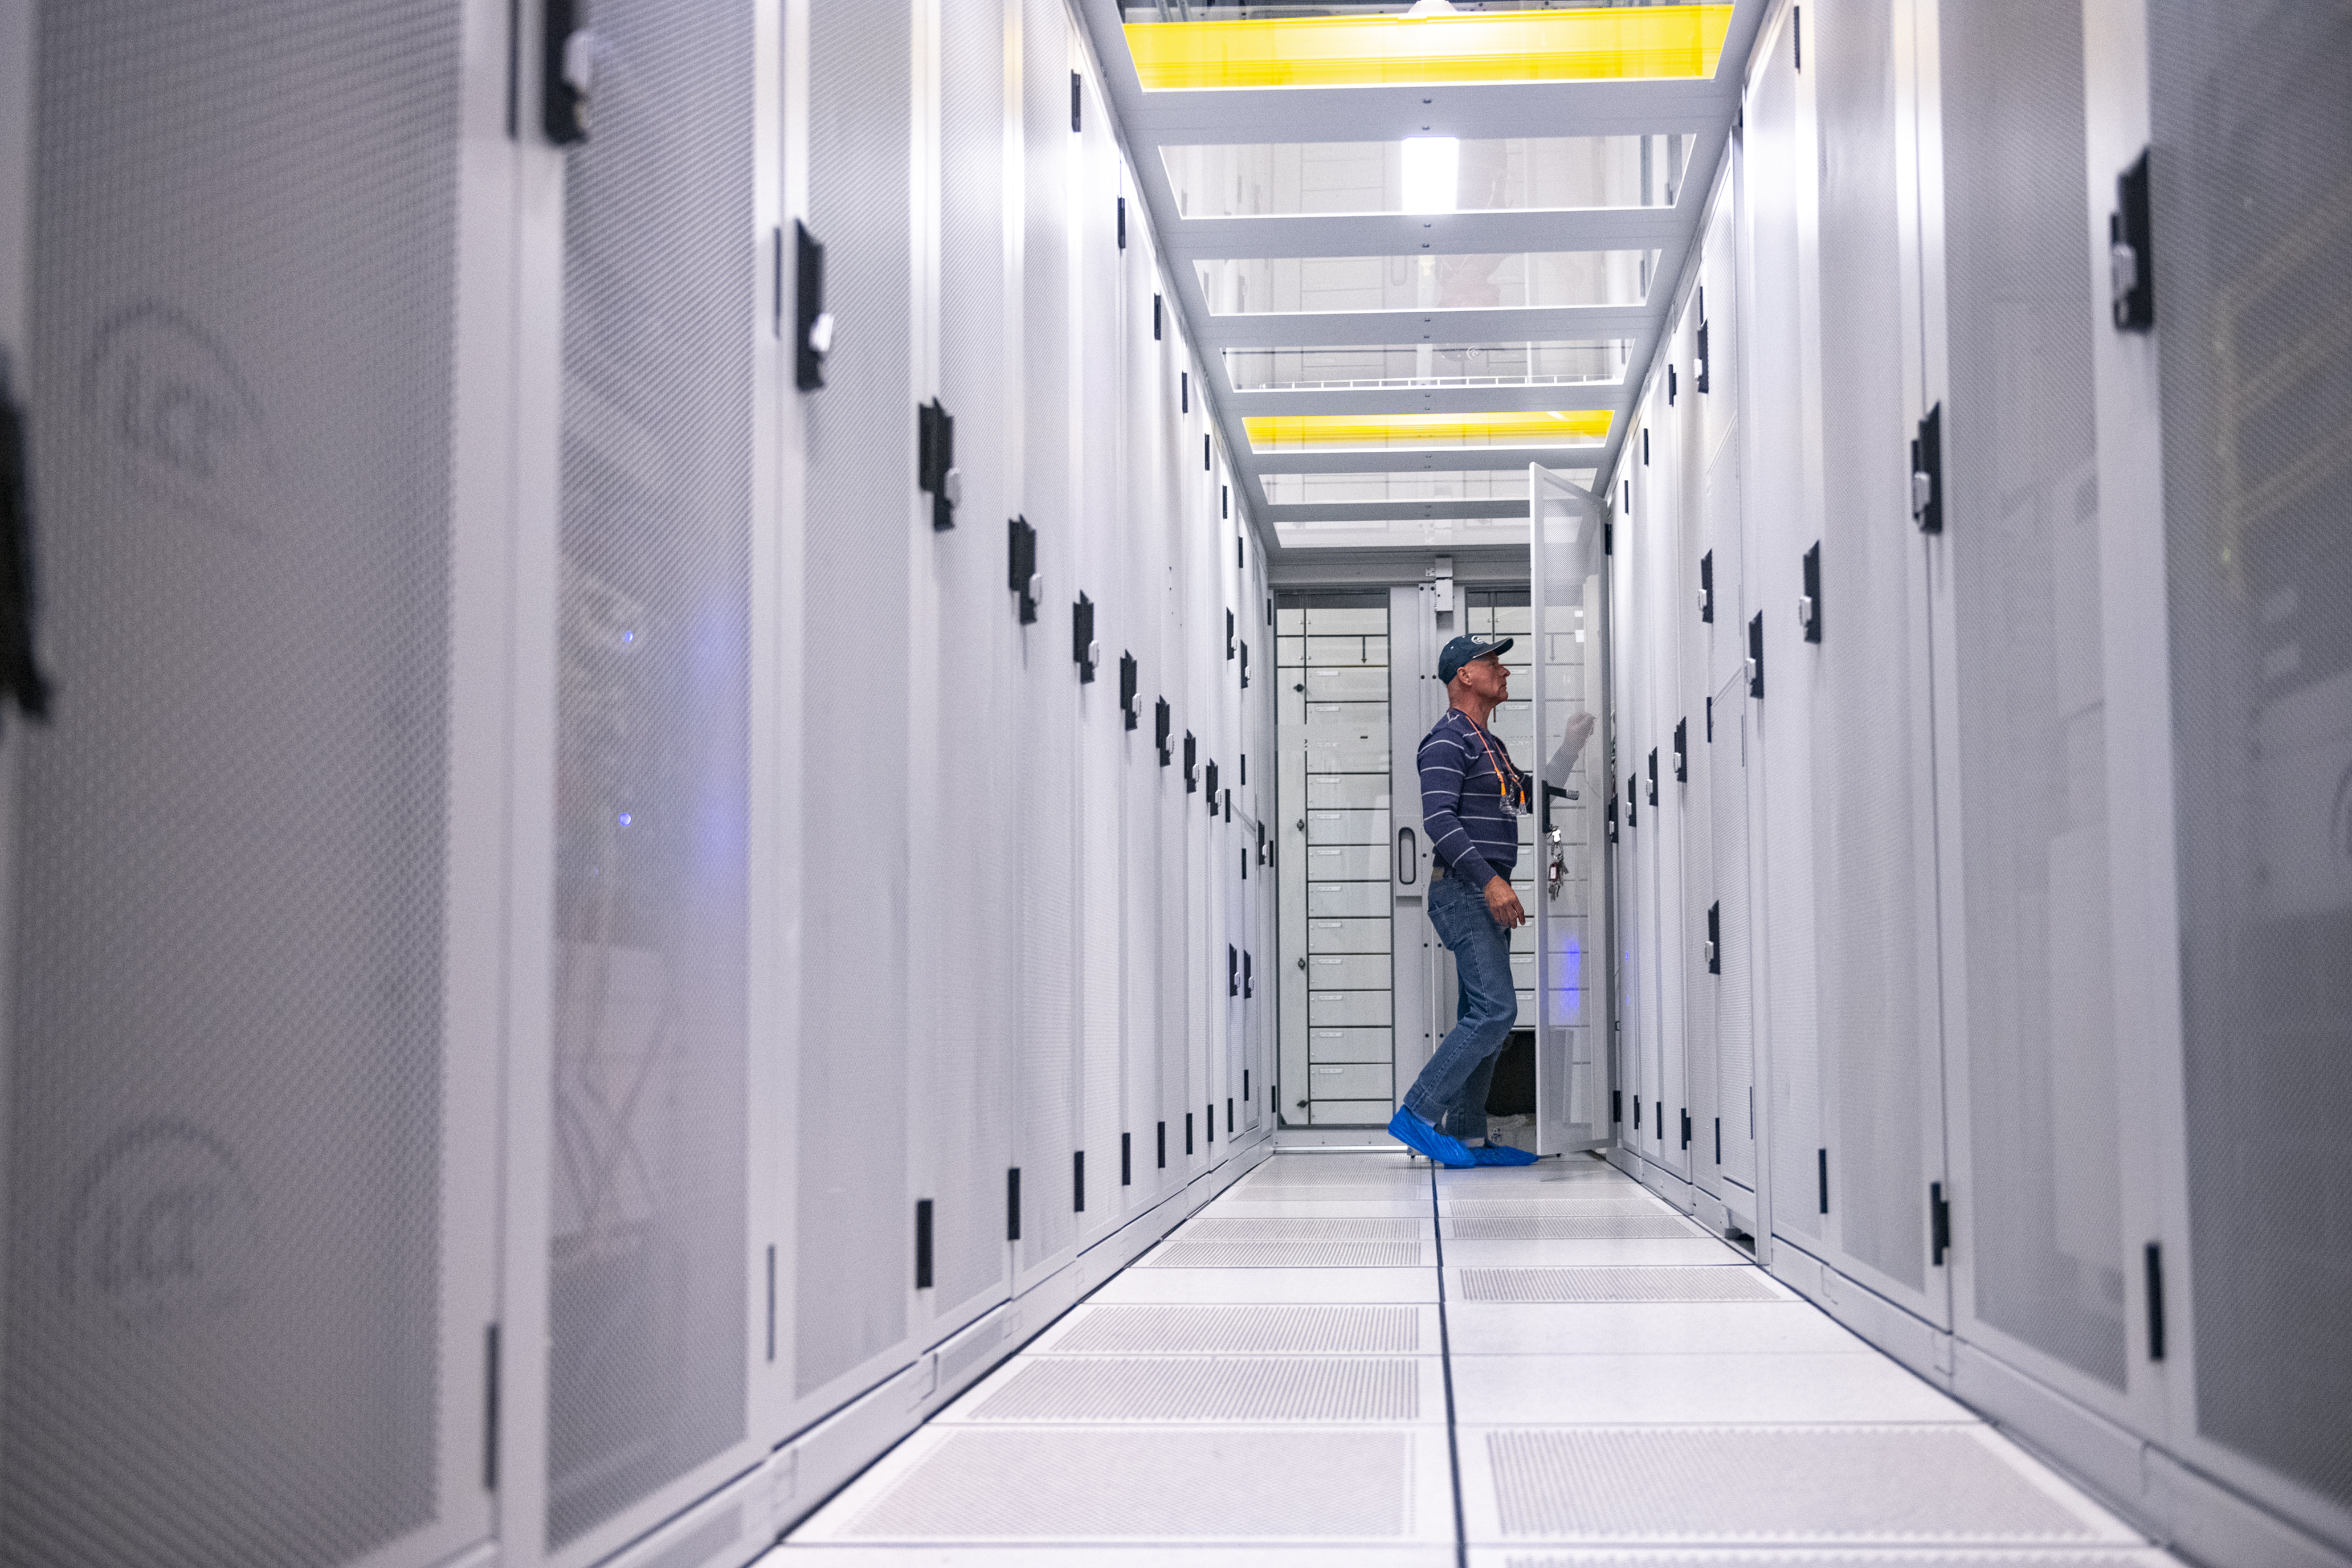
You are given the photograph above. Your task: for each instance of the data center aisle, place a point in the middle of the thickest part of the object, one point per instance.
(1352, 1359)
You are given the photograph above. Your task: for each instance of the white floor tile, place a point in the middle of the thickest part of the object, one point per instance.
(1703, 1390)
(1647, 1328)
(1149, 1285)
(1041, 1554)
(1208, 1391)
(1243, 1329)
(1564, 1254)
(1316, 1208)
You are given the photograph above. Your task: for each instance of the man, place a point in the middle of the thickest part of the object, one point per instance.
(1471, 797)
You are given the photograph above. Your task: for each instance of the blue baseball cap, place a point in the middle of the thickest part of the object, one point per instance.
(1462, 650)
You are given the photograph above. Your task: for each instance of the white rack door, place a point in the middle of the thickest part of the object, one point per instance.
(1569, 616)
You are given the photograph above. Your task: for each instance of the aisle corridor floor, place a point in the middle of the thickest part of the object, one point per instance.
(1354, 1359)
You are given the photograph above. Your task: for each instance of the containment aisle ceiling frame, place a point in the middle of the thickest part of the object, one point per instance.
(1165, 124)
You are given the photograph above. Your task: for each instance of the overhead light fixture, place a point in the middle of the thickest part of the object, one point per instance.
(1432, 166)
(1545, 428)
(1646, 43)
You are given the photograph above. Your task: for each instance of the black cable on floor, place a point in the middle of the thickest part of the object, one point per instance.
(1445, 1359)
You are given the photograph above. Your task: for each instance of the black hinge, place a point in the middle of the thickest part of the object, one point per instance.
(1020, 565)
(1126, 1159)
(1229, 1116)
(1660, 1123)
(1232, 970)
(772, 1301)
(1682, 750)
(1939, 1223)
(935, 469)
(1126, 697)
(1756, 656)
(1122, 224)
(1710, 721)
(1927, 472)
(1714, 937)
(1261, 844)
(1183, 392)
(2131, 259)
(1646, 446)
(1229, 634)
(1212, 771)
(1224, 500)
(1686, 1127)
(1616, 1105)
(2154, 1302)
(1246, 667)
(1654, 775)
(1156, 310)
(812, 327)
(1718, 1140)
(1797, 36)
(1245, 1072)
(1825, 1180)
(1082, 648)
(1191, 753)
(1249, 990)
(1608, 537)
(1637, 1111)
(1163, 1146)
(1074, 101)
(1633, 800)
(1188, 1132)
(922, 1244)
(1161, 718)
(1209, 1118)
(20, 674)
(1609, 815)
(1698, 363)
(1229, 805)
(1205, 463)
(1079, 1181)
(1809, 606)
(490, 1408)
(1012, 1204)
(1671, 385)
(1706, 587)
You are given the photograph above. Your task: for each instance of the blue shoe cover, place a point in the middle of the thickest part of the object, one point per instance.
(1503, 1155)
(1421, 1138)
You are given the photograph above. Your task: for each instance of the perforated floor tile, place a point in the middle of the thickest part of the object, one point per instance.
(1882, 1486)
(1242, 1331)
(1073, 1484)
(1820, 1557)
(1278, 1285)
(1529, 1254)
(1647, 1328)
(1659, 1226)
(1094, 1555)
(1497, 1389)
(1238, 1206)
(1565, 1200)
(1184, 1254)
(1220, 1227)
(1217, 1390)
(1614, 1283)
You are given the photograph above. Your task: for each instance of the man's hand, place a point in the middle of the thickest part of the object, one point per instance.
(1580, 730)
(1504, 904)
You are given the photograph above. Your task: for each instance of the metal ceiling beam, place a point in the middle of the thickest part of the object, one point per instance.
(1363, 328)
(1505, 399)
(1281, 513)
(1440, 234)
(1479, 110)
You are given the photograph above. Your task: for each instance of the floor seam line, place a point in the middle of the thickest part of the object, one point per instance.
(1446, 1360)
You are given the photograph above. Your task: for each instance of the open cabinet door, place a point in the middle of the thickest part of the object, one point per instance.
(1569, 625)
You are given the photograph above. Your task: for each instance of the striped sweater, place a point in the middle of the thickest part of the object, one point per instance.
(1473, 830)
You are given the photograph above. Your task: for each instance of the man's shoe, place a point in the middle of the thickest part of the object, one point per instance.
(1421, 1138)
(1503, 1155)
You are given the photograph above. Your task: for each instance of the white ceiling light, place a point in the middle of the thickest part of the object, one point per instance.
(1431, 164)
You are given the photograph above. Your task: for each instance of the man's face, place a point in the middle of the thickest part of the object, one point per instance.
(1486, 679)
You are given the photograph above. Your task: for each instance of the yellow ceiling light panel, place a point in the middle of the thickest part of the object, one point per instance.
(1270, 431)
(1645, 43)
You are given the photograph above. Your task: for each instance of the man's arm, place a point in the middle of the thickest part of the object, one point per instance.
(1442, 767)
(1572, 746)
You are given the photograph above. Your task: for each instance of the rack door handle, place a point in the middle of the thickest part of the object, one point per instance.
(1408, 857)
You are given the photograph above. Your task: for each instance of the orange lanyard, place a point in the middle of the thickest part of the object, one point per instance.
(1500, 788)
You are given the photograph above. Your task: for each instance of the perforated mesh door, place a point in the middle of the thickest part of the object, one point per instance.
(1719, 734)
(853, 1274)
(646, 1335)
(226, 1176)
(966, 1105)
(2021, 517)
(1779, 732)
(2254, 290)
(1873, 843)
(1569, 616)
(1694, 808)
(1049, 1038)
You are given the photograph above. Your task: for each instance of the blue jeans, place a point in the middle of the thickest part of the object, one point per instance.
(1451, 1091)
